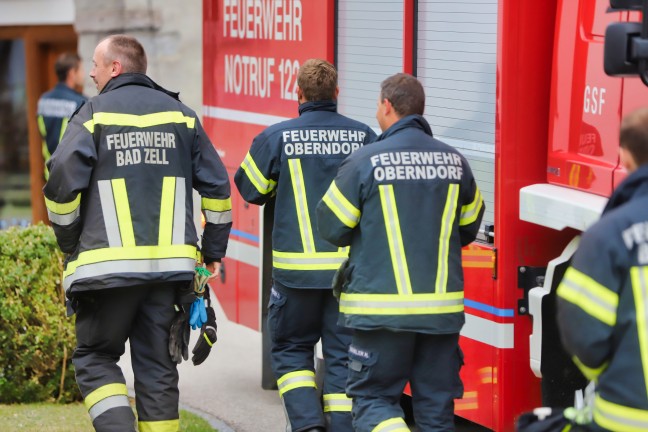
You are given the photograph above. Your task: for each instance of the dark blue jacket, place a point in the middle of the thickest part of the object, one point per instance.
(603, 307)
(296, 160)
(406, 205)
(55, 108)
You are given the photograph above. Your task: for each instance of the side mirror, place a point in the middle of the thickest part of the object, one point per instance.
(618, 60)
(626, 4)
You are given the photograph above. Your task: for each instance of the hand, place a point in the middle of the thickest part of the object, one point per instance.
(206, 340)
(213, 268)
(179, 337)
(197, 313)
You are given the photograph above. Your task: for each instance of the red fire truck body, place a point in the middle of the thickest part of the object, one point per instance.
(517, 86)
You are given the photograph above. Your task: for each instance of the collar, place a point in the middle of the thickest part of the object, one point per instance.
(138, 79)
(411, 121)
(325, 105)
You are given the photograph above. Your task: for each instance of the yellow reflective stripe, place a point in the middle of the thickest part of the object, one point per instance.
(297, 379)
(123, 212)
(447, 222)
(216, 204)
(262, 184)
(63, 208)
(207, 339)
(130, 253)
(470, 212)
(397, 304)
(616, 417)
(594, 298)
(159, 426)
(301, 205)
(138, 121)
(395, 239)
(337, 402)
(167, 207)
(308, 261)
(64, 124)
(103, 392)
(395, 424)
(590, 373)
(341, 207)
(639, 278)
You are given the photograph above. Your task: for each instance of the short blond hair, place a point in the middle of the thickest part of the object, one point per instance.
(317, 80)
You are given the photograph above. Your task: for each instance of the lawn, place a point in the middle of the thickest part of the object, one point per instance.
(70, 418)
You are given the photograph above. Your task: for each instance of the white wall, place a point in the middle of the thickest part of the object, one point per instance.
(30, 12)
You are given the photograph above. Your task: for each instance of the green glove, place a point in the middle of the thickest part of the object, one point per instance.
(179, 336)
(207, 338)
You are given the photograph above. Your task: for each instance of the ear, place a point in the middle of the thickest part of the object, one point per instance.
(300, 95)
(627, 160)
(388, 108)
(116, 68)
(337, 92)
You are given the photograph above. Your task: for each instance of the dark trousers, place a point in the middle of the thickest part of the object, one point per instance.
(105, 320)
(380, 364)
(297, 319)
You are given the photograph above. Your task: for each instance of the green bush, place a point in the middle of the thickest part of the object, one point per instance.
(36, 338)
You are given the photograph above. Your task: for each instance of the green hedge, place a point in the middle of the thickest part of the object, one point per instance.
(35, 335)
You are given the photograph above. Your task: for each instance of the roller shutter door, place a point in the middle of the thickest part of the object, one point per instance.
(456, 62)
(369, 49)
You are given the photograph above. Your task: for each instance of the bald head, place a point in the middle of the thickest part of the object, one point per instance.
(633, 141)
(115, 55)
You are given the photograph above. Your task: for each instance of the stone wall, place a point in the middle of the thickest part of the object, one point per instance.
(170, 30)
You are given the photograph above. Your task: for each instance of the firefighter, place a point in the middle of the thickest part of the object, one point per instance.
(603, 297)
(406, 205)
(119, 198)
(56, 106)
(295, 161)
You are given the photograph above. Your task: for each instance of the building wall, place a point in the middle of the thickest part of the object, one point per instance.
(170, 30)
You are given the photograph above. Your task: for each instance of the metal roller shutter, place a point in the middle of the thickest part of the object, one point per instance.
(369, 49)
(456, 62)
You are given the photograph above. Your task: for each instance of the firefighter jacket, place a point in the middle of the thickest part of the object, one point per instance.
(119, 194)
(53, 113)
(406, 205)
(603, 307)
(296, 160)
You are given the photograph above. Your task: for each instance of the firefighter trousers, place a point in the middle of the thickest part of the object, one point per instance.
(380, 364)
(105, 320)
(297, 319)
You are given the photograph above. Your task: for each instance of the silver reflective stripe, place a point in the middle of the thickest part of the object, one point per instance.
(449, 213)
(64, 219)
(309, 260)
(106, 404)
(179, 213)
(337, 405)
(130, 266)
(395, 239)
(634, 419)
(218, 217)
(297, 381)
(109, 213)
(339, 205)
(581, 290)
(410, 304)
(302, 205)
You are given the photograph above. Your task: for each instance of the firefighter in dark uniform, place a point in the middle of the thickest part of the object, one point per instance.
(406, 205)
(296, 160)
(56, 106)
(603, 297)
(119, 198)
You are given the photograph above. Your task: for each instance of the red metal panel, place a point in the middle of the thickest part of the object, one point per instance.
(409, 36)
(583, 147)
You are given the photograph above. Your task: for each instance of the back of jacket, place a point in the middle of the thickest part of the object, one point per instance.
(406, 205)
(295, 161)
(603, 307)
(120, 190)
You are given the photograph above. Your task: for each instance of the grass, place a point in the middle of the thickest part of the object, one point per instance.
(47, 417)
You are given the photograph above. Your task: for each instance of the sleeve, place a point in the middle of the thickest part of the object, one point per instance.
(587, 300)
(211, 181)
(256, 178)
(472, 207)
(339, 211)
(70, 169)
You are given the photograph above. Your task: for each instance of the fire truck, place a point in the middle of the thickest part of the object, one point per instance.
(518, 86)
